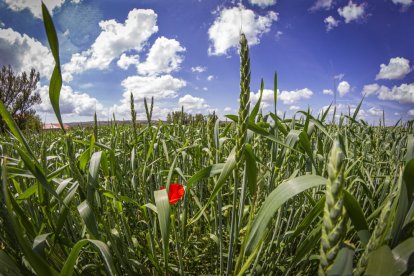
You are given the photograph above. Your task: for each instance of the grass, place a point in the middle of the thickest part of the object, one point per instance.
(264, 194)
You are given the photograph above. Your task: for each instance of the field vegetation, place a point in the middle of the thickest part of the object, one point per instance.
(264, 195)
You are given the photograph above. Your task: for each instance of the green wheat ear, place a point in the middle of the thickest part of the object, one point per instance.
(377, 238)
(244, 98)
(333, 216)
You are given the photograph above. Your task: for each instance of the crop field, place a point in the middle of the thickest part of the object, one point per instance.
(257, 195)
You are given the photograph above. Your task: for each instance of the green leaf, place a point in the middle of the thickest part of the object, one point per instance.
(203, 173)
(403, 253)
(163, 209)
(227, 169)
(38, 264)
(7, 265)
(381, 262)
(101, 247)
(410, 148)
(56, 79)
(88, 217)
(311, 216)
(358, 108)
(251, 169)
(276, 198)
(354, 211)
(256, 108)
(343, 263)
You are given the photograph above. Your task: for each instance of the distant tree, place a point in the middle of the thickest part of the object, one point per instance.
(181, 117)
(17, 92)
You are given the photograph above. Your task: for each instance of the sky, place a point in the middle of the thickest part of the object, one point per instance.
(185, 53)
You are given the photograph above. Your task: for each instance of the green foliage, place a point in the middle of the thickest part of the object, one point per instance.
(18, 95)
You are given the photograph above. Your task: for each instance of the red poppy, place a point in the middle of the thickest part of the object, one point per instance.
(176, 192)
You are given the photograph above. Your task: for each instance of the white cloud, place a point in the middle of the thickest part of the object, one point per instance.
(403, 93)
(294, 107)
(163, 57)
(411, 112)
(322, 4)
(198, 69)
(267, 97)
(114, 39)
(328, 92)
(34, 6)
(71, 102)
(262, 3)
(210, 78)
(278, 35)
(370, 89)
(23, 53)
(331, 22)
(405, 3)
(224, 33)
(287, 97)
(227, 109)
(193, 104)
(397, 68)
(352, 11)
(125, 61)
(164, 86)
(339, 77)
(205, 88)
(343, 88)
(291, 97)
(375, 111)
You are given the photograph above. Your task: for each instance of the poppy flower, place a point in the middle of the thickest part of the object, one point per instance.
(176, 192)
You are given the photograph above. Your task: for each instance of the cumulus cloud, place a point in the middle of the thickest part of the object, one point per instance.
(411, 112)
(125, 61)
(343, 88)
(397, 68)
(370, 89)
(224, 33)
(193, 104)
(227, 109)
(352, 11)
(23, 53)
(114, 39)
(403, 93)
(71, 102)
(375, 111)
(287, 97)
(198, 69)
(294, 107)
(163, 57)
(210, 78)
(262, 3)
(164, 86)
(322, 4)
(404, 3)
(291, 97)
(34, 6)
(328, 92)
(331, 22)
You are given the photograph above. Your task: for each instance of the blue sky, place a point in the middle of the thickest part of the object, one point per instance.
(184, 53)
